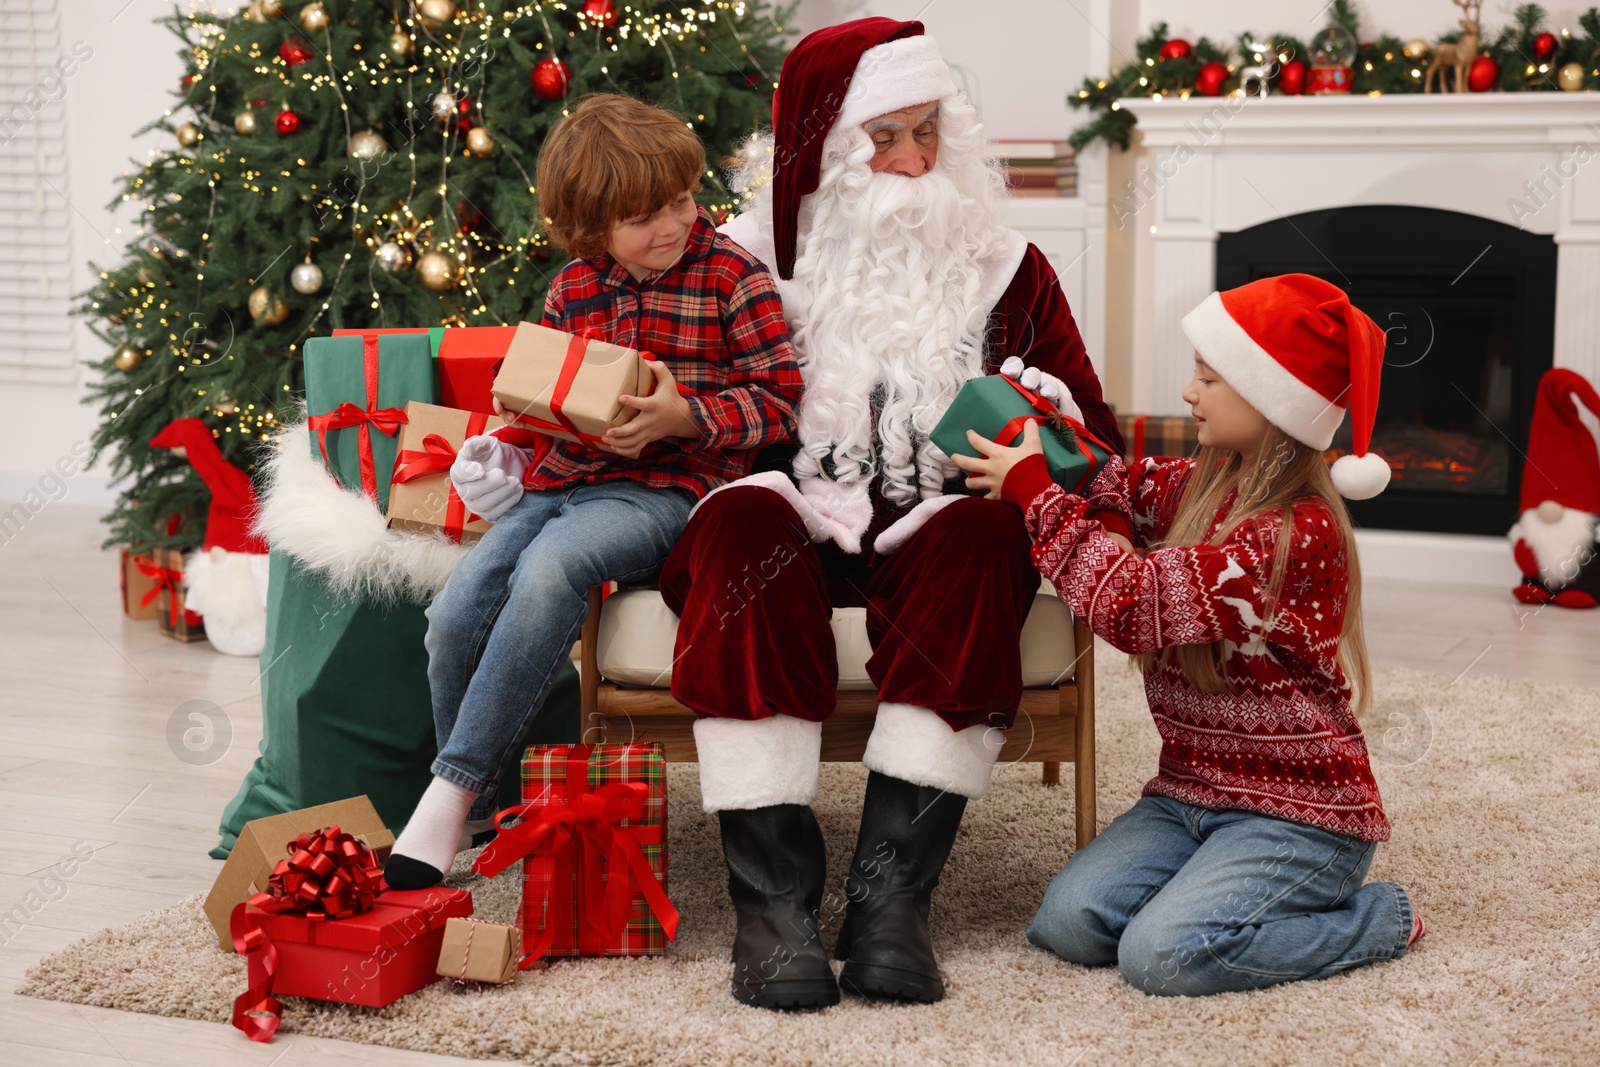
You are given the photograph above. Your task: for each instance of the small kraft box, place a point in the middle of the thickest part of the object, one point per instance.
(593, 829)
(568, 385)
(999, 408)
(476, 950)
(421, 496)
(139, 585)
(261, 846)
(175, 620)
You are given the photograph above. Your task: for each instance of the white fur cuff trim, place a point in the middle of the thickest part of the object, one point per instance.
(756, 763)
(779, 483)
(902, 529)
(916, 746)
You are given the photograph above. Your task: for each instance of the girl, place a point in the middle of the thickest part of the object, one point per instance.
(1232, 579)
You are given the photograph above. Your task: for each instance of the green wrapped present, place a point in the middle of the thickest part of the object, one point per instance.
(999, 407)
(356, 392)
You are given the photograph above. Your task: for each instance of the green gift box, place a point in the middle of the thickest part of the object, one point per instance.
(357, 388)
(998, 407)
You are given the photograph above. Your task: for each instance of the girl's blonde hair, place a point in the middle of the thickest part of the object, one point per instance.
(1283, 472)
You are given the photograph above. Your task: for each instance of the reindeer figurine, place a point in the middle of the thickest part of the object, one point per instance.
(1260, 73)
(1459, 54)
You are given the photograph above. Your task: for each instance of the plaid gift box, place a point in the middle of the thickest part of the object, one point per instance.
(593, 827)
(165, 568)
(1158, 435)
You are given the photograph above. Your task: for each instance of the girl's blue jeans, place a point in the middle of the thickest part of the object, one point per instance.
(1187, 901)
(506, 619)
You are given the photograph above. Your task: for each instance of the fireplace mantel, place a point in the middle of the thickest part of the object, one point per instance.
(1211, 165)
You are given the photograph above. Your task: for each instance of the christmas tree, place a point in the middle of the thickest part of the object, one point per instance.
(366, 163)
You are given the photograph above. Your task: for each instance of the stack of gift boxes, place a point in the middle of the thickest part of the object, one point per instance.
(302, 894)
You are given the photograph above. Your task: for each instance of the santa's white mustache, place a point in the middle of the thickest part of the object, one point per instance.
(884, 203)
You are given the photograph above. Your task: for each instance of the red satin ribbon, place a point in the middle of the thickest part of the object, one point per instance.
(437, 454)
(346, 415)
(329, 875)
(165, 578)
(579, 830)
(570, 365)
(1012, 430)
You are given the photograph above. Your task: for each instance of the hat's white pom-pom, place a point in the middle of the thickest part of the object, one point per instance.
(1360, 477)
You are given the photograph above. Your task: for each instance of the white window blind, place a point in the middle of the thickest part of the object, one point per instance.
(35, 219)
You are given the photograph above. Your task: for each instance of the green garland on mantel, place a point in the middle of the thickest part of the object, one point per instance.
(1380, 66)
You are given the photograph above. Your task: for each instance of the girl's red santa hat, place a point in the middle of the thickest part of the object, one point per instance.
(1301, 354)
(841, 76)
(1563, 463)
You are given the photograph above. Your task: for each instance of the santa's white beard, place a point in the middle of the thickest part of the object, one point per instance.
(893, 315)
(1562, 546)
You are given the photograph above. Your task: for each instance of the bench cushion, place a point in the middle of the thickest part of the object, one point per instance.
(637, 633)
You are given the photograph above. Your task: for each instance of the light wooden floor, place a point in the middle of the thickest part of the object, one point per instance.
(84, 756)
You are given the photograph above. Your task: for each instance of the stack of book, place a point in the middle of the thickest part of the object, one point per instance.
(1038, 168)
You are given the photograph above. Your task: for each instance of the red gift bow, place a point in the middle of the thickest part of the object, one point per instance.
(576, 348)
(165, 578)
(437, 454)
(346, 415)
(329, 875)
(579, 829)
(1012, 430)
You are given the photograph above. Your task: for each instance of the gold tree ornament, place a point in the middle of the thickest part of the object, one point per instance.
(270, 8)
(188, 135)
(306, 278)
(1416, 48)
(245, 122)
(314, 17)
(1571, 77)
(392, 258)
(265, 307)
(436, 13)
(443, 106)
(253, 13)
(480, 142)
(437, 271)
(400, 44)
(367, 144)
(128, 359)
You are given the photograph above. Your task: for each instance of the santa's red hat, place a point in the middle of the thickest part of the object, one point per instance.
(233, 497)
(841, 76)
(1301, 354)
(1563, 463)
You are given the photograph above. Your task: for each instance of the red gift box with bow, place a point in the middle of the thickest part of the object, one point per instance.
(593, 830)
(331, 929)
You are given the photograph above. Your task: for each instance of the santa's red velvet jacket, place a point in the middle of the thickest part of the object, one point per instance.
(1282, 739)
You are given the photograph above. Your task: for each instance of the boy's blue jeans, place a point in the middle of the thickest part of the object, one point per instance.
(1187, 901)
(507, 617)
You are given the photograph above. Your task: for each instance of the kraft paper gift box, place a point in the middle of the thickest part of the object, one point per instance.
(357, 388)
(421, 497)
(568, 385)
(138, 586)
(998, 407)
(475, 950)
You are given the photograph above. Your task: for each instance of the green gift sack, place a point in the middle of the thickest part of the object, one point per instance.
(999, 407)
(346, 710)
(357, 388)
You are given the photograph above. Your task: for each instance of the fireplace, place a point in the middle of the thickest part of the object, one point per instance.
(1468, 307)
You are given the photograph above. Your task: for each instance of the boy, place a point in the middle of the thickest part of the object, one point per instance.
(616, 185)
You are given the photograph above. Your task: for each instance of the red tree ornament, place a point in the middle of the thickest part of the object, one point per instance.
(294, 51)
(1484, 74)
(602, 13)
(1545, 45)
(1177, 48)
(1292, 77)
(1208, 80)
(551, 78)
(287, 122)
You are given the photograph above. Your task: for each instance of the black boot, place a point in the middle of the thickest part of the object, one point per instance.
(776, 870)
(906, 834)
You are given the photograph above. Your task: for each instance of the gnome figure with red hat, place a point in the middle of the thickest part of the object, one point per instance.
(873, 204)
(225, 582)
(1557, 538)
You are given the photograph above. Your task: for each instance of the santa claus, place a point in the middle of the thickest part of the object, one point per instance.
(1556, 540)
(876, 208)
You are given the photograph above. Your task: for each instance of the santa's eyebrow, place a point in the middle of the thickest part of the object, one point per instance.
(877, 125)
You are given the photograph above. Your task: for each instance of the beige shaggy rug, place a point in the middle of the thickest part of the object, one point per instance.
(1491, 784)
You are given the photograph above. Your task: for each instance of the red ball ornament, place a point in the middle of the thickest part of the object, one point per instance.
(1484, 74)
(294, 51)
(463, 106)
(1177, 48)
(464, 125)
(602, 13)
(188, 80)
(1292, 77)
(551, 78)
(1208, 80)
(287, 122)
(1545, 45)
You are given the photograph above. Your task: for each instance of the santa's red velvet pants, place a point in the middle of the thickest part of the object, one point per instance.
(754, 594)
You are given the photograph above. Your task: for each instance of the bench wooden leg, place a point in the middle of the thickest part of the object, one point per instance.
(1052, 772)
(1083, 764)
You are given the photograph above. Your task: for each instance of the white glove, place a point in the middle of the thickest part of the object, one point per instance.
(487, 474)
(840, 511)
(1046, 385)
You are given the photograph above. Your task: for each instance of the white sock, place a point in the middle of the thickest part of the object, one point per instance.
(434, 833)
